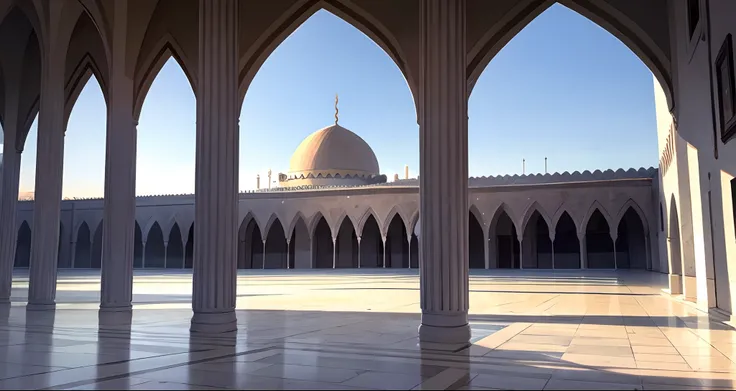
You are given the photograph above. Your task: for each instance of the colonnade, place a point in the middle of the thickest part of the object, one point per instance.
(442, 107)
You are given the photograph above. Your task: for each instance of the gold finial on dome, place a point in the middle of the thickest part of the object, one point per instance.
(336, 110)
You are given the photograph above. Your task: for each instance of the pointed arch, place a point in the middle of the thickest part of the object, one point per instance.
(395, 211)
(314, 220)
(478, 216)
(363, 219)
(504, 208)
(566, 244)
(371, 243)
(175, 248)
(274, 218)
(294, 221)
(149, 224)
(250, 243)
(96, 258)
(630, 203)
(155, 251)
(562, 210)
(166, 48)
(23, 246)
(300, 243)
(276, 248)
(174, 220)
(82, 243)
(275, 34)
(595, 205)
(655, 55)
(85, 57)
(252, 216)
(322, 243)
(534, 206)
(346, 244)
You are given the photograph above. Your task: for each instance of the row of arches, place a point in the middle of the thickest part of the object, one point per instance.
(566, 248)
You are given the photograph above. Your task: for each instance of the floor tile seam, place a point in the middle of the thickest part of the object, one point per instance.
(162, 368)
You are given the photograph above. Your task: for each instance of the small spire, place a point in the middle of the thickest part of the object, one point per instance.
(336, 110)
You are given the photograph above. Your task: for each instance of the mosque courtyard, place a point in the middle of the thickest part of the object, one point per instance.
(334, 329)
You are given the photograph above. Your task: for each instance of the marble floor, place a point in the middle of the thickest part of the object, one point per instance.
(357, 329)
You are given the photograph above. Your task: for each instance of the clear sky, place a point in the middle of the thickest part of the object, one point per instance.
(563, 88)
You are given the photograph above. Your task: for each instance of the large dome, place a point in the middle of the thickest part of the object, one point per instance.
(333, 150)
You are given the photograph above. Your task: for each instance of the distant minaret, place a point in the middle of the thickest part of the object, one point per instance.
(406, 171)
(269, 178)
(523, 166)
(396, 177)
(258, 181)
(336, 110)
(545, 165)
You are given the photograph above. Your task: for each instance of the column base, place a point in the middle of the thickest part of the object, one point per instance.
(116, 308)
(675, 284)
(447, 329)
(115, 318)
(691, 288)
(51, 306)
(214, 322)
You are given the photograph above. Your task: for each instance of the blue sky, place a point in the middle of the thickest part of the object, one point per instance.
(562, 88)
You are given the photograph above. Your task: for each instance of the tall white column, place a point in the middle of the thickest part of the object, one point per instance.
(49, 170)
(263, 263)
(443, 161)
(8, 200)
(216, 185)
(118, 224)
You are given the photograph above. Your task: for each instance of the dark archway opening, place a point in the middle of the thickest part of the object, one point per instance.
(250, 245)
(189, 254)
(346, 252)
(537, 245)
(322, 256)
(507, 243)
(82, 250)
(276, 247)
(371, 244)
(567, 245)
(23, 246)
(138, 247)
(175, 249)
(96, 261)
(300, 247)
(631, 246)
(598, 243)
(476, 244)
(397, 245)
(414, 251)
(155, 256)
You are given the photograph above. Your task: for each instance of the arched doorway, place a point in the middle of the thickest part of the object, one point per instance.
(537, 246)
(507, 243)
(138, 247)
(631, 245)
(276, 247)
(598, 242)
(175, 249)
(414, 251)
(346, 252)
(155, 251)
(250, 245)
(96, 261)
(476, 244)
(299, 246)
(397, 245)
(322, 245)
(566, 245)
(676, 280)
(189, 254)
(23, 246)
(82, 250)
(371, 244)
